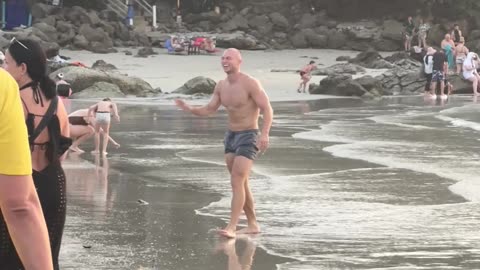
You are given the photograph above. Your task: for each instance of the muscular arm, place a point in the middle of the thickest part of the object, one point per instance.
(22, 212)
(263, 103)
(205, 110)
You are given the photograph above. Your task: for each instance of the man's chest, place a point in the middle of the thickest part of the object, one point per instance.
(234, 96)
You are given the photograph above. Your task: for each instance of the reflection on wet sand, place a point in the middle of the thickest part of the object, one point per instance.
(238, 258)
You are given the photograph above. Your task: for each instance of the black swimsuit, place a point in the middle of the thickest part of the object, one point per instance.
(51, 189)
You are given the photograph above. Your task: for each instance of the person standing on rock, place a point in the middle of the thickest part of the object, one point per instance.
(103, 110)
(428, 68)
(440, 68)
(456, 34)
(409, 33)
(460, 52)
(244, 99)
(305, 76)
(423, 28)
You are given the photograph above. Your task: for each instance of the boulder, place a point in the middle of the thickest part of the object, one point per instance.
(279, 21)
(308, 20)
(80, 42)
(48, 30)
(239, 40)
(372, 85)
(371, 59)
(340, 85)
(299, 40)
(460, 85)
(145, 52)
(197, 85)
(343, 58)
(82, 78)
(336, 40)
(102, 65)
(100, 90)
(344, 68)
(40, 10)
(392, 30)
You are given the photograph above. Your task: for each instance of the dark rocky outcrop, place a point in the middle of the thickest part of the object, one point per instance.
(197, 85)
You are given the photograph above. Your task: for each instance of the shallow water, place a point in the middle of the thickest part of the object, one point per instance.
(346, 184)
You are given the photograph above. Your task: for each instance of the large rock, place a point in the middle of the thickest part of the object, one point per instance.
(340, 85)
(342, 68)
(82, 78)
(40, 10)
(238, 40)
(100, 90)
(402, 81)
(371, 59)
(48, 30)
(393, 30)
(197, 85)
(372, 85)
(363, 30)
(336, 40)
(279, 21)
(460, 85)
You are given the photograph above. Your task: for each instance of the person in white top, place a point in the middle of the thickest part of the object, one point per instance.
(470, 71)
(428, 63)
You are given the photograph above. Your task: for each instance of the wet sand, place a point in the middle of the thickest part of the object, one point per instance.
(108, 228)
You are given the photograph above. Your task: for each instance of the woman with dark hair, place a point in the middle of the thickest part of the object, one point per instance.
(47, 122)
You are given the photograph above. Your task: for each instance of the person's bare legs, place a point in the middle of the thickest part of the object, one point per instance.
(106, 131)
(474, 81)
(97, 139)
(442, 88)
(305, 82)
(249, 207)
(433, 88)
(240, 170)
(81, 133)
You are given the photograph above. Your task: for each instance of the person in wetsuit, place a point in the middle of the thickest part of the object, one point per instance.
(26, 62)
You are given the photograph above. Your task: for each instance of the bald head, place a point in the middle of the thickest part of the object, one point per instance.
(231, 60)
(234, 53)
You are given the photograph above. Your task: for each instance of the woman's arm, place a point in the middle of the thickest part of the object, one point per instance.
(23, 214)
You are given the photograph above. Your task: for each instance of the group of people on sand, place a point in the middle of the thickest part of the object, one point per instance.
(194, 45)
(35, 135)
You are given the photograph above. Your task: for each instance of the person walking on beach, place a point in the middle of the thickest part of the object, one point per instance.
(305, 76)
(244, 99)
(26, 241)
(47, 125)
(103, 110)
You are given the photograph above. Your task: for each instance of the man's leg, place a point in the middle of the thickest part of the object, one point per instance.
(240, 170)
(249, 207)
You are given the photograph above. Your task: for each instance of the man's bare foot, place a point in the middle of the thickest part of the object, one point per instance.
(249, 230)
(116, 145)
(95, 152)
(227, 233)
(104, 153)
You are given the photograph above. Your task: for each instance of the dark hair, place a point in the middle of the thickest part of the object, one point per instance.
(312, 62)
(35, 60)
(106, 99)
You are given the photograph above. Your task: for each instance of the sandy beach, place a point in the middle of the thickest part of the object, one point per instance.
(170, 71)
(346, 183)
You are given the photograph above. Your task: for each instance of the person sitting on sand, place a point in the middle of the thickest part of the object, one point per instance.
(103, 110)
(470, 71)
(305, 76)
(209, 45)
(82, 128)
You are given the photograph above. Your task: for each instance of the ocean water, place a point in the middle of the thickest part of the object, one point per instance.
(346, 184)
(378, 185)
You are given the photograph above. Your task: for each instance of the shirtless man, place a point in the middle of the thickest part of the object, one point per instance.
(243, 98)
(305, 75)
(103, 110)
